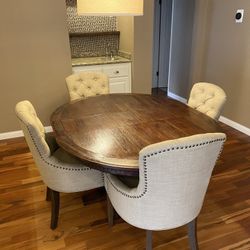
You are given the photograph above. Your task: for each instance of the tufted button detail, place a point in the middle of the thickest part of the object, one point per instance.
(207, 98)
(87, 84)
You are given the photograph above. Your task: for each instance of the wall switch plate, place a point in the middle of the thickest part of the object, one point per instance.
(239, 16)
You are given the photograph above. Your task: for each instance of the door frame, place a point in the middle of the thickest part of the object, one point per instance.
(162, 16)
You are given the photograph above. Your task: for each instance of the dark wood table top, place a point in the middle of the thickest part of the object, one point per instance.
(108, 131)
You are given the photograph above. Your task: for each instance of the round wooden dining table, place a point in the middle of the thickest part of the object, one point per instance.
(107, 132)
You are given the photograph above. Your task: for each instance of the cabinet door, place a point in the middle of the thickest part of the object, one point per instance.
(119, 85)
(119, 77)
(95, 68)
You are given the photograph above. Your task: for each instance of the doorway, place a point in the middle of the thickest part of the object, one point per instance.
(162, 39)
(173, 34)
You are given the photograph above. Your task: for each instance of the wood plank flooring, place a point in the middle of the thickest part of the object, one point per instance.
(224, 222)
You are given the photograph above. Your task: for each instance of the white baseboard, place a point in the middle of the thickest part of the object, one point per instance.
(222, 119)
(176, 97)
(235, 125)
(19, 133)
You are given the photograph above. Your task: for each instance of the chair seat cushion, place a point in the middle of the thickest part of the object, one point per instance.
(130, 181)
(63, 156)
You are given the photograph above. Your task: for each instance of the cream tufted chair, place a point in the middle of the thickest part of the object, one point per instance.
(85, 84)
(173, 179)
(207, 98)
(60, 171)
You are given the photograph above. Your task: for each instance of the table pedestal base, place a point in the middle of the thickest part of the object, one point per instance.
(93, 196)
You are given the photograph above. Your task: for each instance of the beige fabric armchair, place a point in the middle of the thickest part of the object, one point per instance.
(207, 98)
(85, 84)
(60, 171)
(173, 179)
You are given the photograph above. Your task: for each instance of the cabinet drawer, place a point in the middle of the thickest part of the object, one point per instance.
(116, 70)
(93, 68)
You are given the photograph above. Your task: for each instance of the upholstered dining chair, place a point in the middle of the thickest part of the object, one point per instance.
(60, 171)
(85, 84)
(173, 179)
(207, 98)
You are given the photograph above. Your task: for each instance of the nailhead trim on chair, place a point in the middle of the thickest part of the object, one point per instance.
(145, 183)
(50, 164)
(155, 153)
(53, 165)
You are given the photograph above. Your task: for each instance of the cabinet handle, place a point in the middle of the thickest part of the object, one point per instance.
(117, 72)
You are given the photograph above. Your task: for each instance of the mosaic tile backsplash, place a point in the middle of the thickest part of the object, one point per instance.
(93, 45)
(86, 46)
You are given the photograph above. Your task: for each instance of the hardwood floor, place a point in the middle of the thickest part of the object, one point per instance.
(224, 222)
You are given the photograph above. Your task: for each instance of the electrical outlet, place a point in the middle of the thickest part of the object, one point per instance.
(239, 16)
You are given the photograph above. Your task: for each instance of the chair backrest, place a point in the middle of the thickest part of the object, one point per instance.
(174, 177)
(34, 132)
(85, 84)
(207, 98)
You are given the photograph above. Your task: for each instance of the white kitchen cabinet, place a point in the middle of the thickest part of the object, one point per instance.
(119, 75)
(119, 85)
(94, 68)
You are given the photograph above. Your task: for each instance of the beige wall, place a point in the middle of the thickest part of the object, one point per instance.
(200, 37)
(181, 44)
(226, 57)
(126, 27)
(35, 57)
(143, 50)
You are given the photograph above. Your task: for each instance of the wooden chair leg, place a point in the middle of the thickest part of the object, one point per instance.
(192, 235)
(55, 204)
(149, 240)
(48, 194)
(110, 212)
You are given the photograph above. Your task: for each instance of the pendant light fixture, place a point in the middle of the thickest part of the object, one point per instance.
(110, 7)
